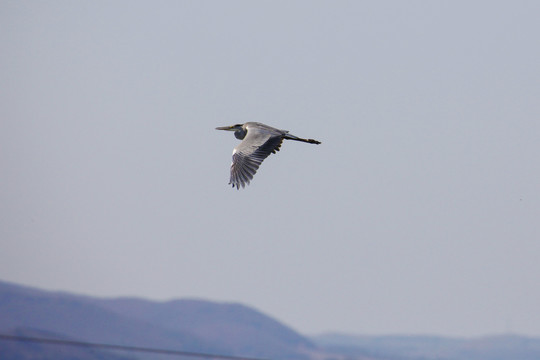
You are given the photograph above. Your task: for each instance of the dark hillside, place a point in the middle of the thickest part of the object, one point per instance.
(184, 325)
(22, 350)
(234, 326)
(80, 318)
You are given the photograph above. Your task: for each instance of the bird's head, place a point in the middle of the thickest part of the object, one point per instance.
(239, 131)
(230, 128)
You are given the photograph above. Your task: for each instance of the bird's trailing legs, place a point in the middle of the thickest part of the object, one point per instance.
(292, 137)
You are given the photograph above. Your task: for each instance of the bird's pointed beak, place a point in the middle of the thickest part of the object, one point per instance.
(229, 128)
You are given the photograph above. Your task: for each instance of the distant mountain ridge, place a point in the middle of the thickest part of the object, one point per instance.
(210, 327)
(242, 328)
(186, 325)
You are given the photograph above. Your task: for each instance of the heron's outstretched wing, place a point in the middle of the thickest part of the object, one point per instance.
(250, 153)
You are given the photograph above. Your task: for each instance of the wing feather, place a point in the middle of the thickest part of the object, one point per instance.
(250, 153)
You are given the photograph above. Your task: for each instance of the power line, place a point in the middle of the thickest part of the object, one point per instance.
(122, 347)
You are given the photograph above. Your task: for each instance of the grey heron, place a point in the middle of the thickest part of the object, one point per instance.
(258, 142)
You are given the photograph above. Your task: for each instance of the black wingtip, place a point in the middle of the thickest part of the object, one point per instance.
(237, 186)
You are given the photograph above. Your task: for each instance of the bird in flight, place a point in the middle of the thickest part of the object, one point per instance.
(258, 142)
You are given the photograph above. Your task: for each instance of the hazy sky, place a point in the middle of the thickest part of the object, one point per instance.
(418, 213)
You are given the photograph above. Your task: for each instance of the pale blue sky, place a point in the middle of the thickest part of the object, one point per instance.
(419, 213)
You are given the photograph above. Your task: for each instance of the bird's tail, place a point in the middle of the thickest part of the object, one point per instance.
(292, 137)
